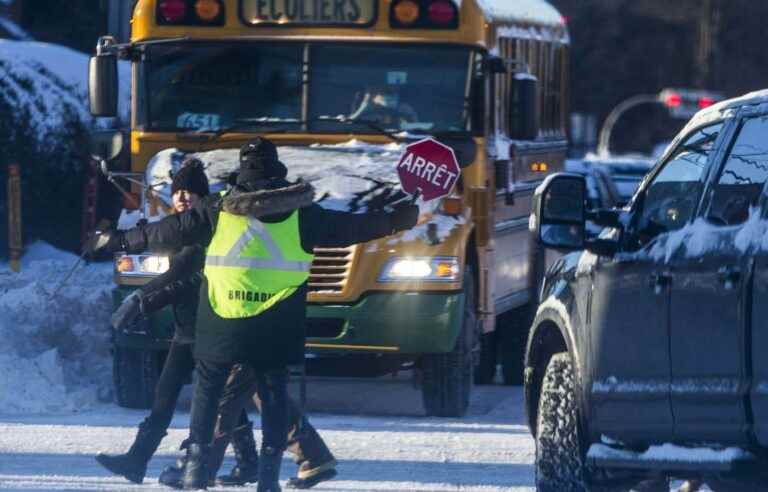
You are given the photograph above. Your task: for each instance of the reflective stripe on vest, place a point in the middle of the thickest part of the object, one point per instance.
(252, 265)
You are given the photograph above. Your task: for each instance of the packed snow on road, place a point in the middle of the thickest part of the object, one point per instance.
(56, 409)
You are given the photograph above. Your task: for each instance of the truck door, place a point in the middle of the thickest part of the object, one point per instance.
(629, 325)
(708, 308)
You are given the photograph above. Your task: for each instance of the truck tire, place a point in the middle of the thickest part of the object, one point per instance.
(135, 373)
(560, 464)
(513, 337)
(447, 378)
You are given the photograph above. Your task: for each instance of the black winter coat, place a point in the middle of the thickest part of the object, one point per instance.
(276, 337)
(179, 286)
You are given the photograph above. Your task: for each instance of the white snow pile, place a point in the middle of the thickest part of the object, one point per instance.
(47, 85)
(55, 351)
(671, 453)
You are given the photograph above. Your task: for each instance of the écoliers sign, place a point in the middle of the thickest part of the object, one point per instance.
(429, 168)
(308, 12)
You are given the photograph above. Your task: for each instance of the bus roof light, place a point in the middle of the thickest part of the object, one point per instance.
(208, 10)
(406, 12)
(441, 12)
(172, 11)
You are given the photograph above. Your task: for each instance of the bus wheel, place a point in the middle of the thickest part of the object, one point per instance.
(135, 373)
(513, 337)
(447, 379)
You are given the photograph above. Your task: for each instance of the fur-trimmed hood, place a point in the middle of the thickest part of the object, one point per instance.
(265, 202)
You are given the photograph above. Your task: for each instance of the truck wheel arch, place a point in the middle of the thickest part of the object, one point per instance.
(548, 337)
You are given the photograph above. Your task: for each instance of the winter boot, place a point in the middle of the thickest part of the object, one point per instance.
(173, 475)
(246, 469)
(269, 470)
(310, 475)
(133, 464)
(196, 467)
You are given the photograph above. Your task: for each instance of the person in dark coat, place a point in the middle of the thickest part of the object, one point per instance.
(179, 287)
(267, 221)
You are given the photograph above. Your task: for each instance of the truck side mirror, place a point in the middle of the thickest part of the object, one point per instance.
(103, 80)
(105, 146)
(559, 212)
(523, 108)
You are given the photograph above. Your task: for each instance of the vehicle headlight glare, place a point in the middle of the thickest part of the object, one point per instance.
(431, 269)
(141, 265)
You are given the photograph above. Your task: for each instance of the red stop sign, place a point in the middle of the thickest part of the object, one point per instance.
(429, 167)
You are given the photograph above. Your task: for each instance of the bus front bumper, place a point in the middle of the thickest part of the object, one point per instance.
(397, 323)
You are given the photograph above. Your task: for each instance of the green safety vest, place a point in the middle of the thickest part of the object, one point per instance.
(252, 265)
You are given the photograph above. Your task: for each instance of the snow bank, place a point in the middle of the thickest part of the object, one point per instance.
(55, 351)
(672, 453)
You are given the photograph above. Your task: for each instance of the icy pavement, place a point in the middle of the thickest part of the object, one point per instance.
(490, 450)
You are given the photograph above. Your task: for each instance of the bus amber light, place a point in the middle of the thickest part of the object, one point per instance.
(441, 12)
(406, 12)
(452, 206)
(207, 10)
(172, 11)
(124, 264)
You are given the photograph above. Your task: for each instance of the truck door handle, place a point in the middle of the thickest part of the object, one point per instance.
(729, 275)
(659, 281)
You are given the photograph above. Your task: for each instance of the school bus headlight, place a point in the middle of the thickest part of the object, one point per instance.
(140, 265)
(406, 12)
(207, 10)
(430, 269)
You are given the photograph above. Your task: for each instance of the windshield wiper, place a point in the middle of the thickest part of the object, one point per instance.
(241, 124)
(372, 124)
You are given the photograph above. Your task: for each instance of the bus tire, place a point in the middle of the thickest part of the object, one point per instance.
(135, 373)
(560, 463)
(447, 378)
(513, 337)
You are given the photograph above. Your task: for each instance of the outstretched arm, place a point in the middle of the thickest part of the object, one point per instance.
(332, 229)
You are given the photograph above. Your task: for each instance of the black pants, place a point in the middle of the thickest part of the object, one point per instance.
(177, 370)
(304, 442)
(272, 388)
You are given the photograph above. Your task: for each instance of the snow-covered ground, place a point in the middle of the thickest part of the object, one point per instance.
(490, 450)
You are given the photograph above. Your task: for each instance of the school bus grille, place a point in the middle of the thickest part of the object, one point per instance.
(330, 270)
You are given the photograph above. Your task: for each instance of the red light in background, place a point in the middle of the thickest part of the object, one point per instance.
(173, 10)
(705, 102)
(673, 100)
(441, 12)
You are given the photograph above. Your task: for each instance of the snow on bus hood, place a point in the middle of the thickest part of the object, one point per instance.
(353, 176)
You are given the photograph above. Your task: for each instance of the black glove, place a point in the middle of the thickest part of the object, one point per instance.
(129, 310)
(403, 217)
(110, 241)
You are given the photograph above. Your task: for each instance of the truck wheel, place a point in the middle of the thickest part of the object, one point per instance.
(560, 464)
(447, 381)
(485, 369)
(513, 337)
(135, 373)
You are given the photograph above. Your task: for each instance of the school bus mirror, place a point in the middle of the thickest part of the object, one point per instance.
(106, 145)
(523, 108)
(496, 65)
(102, 85)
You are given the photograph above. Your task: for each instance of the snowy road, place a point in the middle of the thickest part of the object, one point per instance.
(379, 439)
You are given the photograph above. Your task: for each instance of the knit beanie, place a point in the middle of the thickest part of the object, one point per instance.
(258, 162)
(191, 177)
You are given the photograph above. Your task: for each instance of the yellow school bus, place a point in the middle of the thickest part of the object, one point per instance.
(341, 86)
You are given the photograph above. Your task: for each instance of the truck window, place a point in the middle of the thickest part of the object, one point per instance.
(670, 199)
(743, 176)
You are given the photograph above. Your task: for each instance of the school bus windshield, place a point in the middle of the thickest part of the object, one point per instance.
(245, 84)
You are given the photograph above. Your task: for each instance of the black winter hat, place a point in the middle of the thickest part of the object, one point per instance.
(191, 177)
(258, 161)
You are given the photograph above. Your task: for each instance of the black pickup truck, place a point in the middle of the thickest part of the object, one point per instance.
(646, 360)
